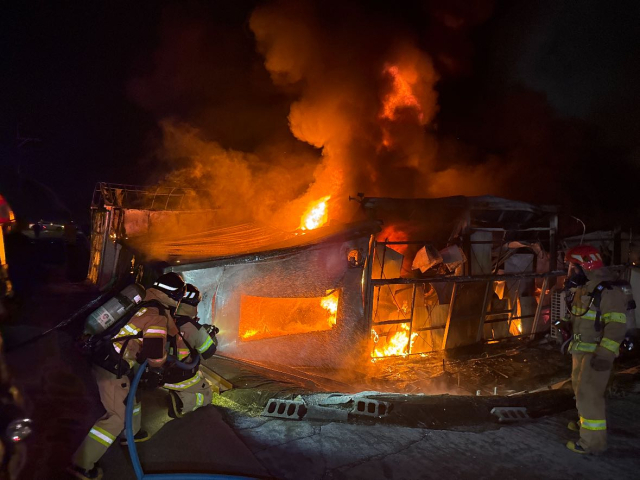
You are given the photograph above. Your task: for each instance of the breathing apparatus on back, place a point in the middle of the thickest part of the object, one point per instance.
(583, 259)
(106, 322)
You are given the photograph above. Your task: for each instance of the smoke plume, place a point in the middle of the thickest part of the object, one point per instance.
(315, 99)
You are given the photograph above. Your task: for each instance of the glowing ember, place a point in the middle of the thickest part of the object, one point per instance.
(397, 344)
(330, 304)
(401, 96)
(316, 215)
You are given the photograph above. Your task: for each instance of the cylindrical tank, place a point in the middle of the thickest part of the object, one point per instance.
(113, 310)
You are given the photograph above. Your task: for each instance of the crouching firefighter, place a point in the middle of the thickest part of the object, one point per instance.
(142, 337)
(598, 308)
(188, 390)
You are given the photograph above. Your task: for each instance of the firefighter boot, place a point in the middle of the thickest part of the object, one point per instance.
(175, 405)
(574, 426)
(141, 436)
(576, 447)
(94, 474)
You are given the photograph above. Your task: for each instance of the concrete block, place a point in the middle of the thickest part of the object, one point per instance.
(371, 408)
(510, 414)
(280, 408)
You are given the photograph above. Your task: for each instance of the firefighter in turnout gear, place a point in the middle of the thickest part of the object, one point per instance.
(144, 337)
(188, 390)
(598, 308)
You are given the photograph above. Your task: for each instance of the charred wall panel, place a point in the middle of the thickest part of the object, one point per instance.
(466, 314)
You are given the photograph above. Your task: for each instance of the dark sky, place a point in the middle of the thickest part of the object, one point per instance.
(92, 81)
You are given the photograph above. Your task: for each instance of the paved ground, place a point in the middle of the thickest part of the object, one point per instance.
(63, 401)
(303, 450)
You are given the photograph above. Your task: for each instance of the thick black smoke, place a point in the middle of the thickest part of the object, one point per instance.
(274, 107)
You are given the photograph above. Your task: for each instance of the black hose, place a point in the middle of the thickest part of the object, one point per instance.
(81, 313)
(185, 366)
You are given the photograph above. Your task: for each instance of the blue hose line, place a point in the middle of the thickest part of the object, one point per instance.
(184, 366)
(128, 421)
(133, 452)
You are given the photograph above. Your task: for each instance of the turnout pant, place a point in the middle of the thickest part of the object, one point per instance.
(589, 387)
(194, 392)
(113, 395)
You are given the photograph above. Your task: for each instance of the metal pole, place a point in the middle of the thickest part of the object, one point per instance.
(448, 324)
(483, 314)
(368, 288)
(413, 303)
(536, 319)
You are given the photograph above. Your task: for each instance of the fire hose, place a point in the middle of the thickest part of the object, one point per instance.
(81, 313)
(133, 452)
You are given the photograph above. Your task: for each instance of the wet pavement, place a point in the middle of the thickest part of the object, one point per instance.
(230, 437)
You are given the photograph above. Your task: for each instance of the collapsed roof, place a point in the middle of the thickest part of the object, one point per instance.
(239, 243)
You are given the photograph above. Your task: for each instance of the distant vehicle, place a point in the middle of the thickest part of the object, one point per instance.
(43, 230)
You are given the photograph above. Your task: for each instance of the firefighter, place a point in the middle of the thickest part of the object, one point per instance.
(188, 390)
(144, 337)
(598, 319)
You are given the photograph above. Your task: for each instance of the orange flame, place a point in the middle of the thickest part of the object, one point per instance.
(330, 304)
(515, 328)
(249, 333)
(401, 96)
(316, 215)
(397, 344)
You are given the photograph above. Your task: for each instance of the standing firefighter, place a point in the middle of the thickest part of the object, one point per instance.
(188, 389)
(598, 317)
(144, 337)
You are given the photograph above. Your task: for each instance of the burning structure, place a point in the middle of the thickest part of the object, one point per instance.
(405, 277)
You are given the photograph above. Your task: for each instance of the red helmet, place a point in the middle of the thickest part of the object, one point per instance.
(586, 256)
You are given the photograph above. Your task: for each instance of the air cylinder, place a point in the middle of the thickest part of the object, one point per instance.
(113, 309)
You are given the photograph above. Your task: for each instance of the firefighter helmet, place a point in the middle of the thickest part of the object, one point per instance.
(586, 256)
(192, 295)
(171, 284)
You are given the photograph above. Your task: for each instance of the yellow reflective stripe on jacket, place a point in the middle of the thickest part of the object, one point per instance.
(576, 345)
(610, 345)
(199, 400)
(137, 409)
(126, 331)
(101, 436)
(183, 353)
(578, 311)
(614, 317)
(206, 345)
(155, 331)
(184, 385)
(131, 329)
(593, 424)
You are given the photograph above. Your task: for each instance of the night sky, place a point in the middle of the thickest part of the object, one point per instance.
(551, 84)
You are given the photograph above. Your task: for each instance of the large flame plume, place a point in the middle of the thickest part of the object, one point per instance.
(316, 215)
(361, 114)
(401, 95)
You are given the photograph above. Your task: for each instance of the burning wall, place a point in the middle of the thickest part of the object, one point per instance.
(303, 308)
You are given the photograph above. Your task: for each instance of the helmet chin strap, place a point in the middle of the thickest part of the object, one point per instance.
(576, 279)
